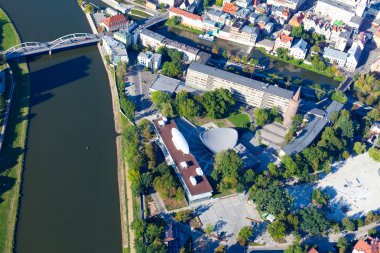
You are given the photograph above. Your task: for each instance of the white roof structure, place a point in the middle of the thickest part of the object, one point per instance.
(219, 139)
(179, 141)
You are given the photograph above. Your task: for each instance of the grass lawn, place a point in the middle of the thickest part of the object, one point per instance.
(183, 27)
(140, 13)
(172, 204)
(240, 120)
(199, 121)
(15, 141)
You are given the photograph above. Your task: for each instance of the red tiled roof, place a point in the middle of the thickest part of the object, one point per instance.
(117, 19)
(361, 245)
(230, 8)
(313, 250)
(202, 186)
(185, 13)
(285, 38)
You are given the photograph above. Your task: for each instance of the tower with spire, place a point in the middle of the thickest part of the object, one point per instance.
(292, 108)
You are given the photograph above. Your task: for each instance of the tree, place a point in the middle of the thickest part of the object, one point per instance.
(249, 176)
(167, 109)
(318, 197)
(294, 248)
(2, 103)
(220, 249)
(89, 8)
(345, 124)
(209, 228)
(172, 69)
(227, 165)
(339, 96)
(188, 108)
(205, 4)
(261, 116)
(244, 234)
(374, 154)
(289, 165)
(159, 98)
(273, 200)
(153, 232)
(316, 49)
(348, 224)
(367, 87)
(217, 103)
(296, 31)
(313, 221)
(138, 226)
(342, 244)
(359, 148)
(272, 169)
(277, 229)
(183, 215)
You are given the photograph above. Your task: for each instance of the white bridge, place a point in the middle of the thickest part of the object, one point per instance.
(65, 42)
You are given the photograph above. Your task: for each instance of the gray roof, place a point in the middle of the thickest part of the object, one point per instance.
(151, 34)
(251, 30)
(356, 20)
(165, 84)
(215, 12)
(301, 44)
(254, 84)
(312, 130)
(219, 139)
(334, 54)
(339, 5)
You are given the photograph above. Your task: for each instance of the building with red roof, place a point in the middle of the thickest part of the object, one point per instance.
(187, 18)
(230, 8)
(371, 245)
(115, 23)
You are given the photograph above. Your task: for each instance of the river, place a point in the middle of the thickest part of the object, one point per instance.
(70, 197)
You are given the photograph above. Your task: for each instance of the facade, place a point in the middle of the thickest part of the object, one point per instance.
(283, 40)
(189, 53)
(187, 18)
(299, 49)
(149, 59)
(335, 56)
(124, 37)
(243, 3)
(335, 10)
(114, 23)
(353, 56)
(152, 39)
(177, 152)
(371, 245)
(115, 49)
(151, 5)
(245, 90)
(291, 4)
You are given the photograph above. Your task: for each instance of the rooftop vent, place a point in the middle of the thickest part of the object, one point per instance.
(193, 180)
(199, 171)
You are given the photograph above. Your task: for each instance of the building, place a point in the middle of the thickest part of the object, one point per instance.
(165, 84)
(335, 10)
(149, 59)
(187, 18)
(342, 42)
(115, 49)
(370, 245)
(296, 20)
(230, 8)
(189, 53)
(299, 49)
(353, 56)
(151, 5)
(335, 56)
(114, 23)
(281, 14)
(152, 39)
(170, 3)
(245, 90)
(243, 3)
(219, 139)
(172, 238)
(216, 15)
(311, 131)
(248, 35)
(176, 148)
(124, 37)
(291, 4)
(283, 40)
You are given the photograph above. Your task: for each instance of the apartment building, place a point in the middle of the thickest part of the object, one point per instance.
(335, 10)
(245, 90)
(152, 39)
(149, 59)
(187, 18)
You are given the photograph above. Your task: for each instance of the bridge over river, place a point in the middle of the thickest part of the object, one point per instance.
(63, 43)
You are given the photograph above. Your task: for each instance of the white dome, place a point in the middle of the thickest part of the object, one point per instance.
(219, 139)
(179, 141)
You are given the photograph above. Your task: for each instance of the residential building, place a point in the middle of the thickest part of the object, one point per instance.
(299, 49)
(111, 12)
(216, 15)
(170, 3)
(115, 49)
(353, 56)
(124, 37)
(268, 28)
(335, 10)
(262, 8)
(283, 40)
(189, 5)
(172, 238)
(151, 5)
(356, 22)
(341, 43)
(243, 13)
(149, 59)
(375, 66)
(266, 44)
(114, 23)
(230, 8)
(370, 245)
(189, 53)
(335, 56)
(262, 21)
(252, 18)
(187, 18)
(176, 149)
(281, 14)
(291, 4)
(296, 20)
(245, 90)
(313, 128)
(243, 3)
(209, 25)
(152, 39)
(248, 35)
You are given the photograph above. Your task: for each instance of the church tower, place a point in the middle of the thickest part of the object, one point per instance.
(292, 108)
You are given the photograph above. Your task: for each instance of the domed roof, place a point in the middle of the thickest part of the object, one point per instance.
(219, 139)
(179, 141)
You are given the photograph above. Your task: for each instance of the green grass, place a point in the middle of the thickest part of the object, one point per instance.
(140, 13)
(240, 120)
(302, 65)
(183, 27)
(15, 141)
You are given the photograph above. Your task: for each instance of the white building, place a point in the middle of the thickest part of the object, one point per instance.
(149, 59)
(335, 56)
(335, 10)
(152, 39)
(115, 49)
(124, 37)
(243, 3)
(291, 4)
(299, 49)
(353, 57)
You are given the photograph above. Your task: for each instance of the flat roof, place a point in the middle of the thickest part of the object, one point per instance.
(335, 54)
(251, 83)
(202, 186)
(165, 84)
(312, 130)
(151, 34)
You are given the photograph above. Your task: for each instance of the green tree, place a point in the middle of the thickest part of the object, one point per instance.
(348, 224)
(261, 116)
(313, 221)
(159, 98)
(209, 228)
(277, 229)
(2, 102)
(289, 165)
(188, 108)
(273, 200)
(345, 124)
(172, 69)
(138, 226)
(318, 197)
(220, 249)
(153, 232)
(296, 31)
(244, 234)
(339, 96)
(272, 169)
(294, 248)
(374, 154)
(217, 103)
(227, 165)
(342, 245)
(89, 8)
(183, 215)
(359, 147)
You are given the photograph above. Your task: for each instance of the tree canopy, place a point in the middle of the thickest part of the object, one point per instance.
(273, 200)
(313, 221)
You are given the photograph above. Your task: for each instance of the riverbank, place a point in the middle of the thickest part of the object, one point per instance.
(125, 196)
(183, 27)
(13, 151)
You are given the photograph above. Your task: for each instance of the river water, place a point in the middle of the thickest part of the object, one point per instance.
(70, 199)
